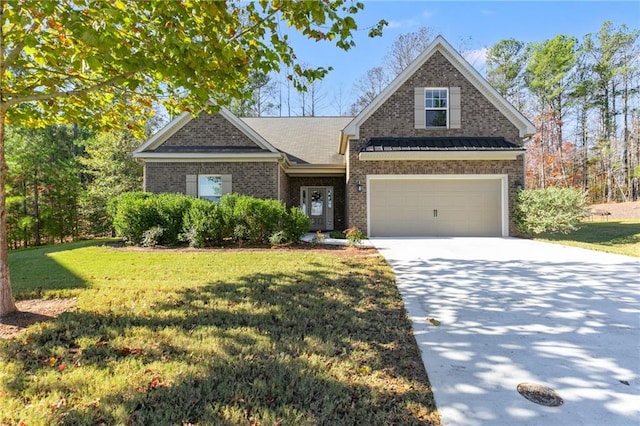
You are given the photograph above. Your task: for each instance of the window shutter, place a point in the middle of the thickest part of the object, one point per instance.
(226, 184)
(454, 108)
(420, 114)
(192, 185)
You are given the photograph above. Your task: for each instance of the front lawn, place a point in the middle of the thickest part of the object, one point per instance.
(256, 337)
(621, 237)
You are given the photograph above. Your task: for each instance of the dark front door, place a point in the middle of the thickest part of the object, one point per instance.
(317, 203)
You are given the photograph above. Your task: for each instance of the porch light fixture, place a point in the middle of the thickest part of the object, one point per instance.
(359, 187)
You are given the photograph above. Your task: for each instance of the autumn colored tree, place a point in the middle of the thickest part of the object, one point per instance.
(547, 77)
(104, 63)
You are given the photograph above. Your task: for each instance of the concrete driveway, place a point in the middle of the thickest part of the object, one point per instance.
(514, 311)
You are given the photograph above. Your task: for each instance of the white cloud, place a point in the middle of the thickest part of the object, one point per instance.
(427, 14)
(405, 23)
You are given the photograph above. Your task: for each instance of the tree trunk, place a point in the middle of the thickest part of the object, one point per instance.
(7, 304)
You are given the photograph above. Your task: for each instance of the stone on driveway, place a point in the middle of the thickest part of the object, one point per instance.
(490, 314)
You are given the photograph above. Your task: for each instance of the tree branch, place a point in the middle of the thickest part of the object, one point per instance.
(64, 93)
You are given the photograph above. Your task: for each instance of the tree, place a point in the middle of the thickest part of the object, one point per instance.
(368, 87)
(405, 48)
(43, 183)
(110, 170)
(105, 63)
(260, 102)
(505, 67)
(547, 77)
(614, 61)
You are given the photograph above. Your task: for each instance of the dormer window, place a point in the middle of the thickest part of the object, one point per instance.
(436, 102)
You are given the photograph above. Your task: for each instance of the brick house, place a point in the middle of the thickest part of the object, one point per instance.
(437, 153)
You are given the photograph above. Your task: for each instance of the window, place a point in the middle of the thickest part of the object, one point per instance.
(436, 107)
(210, 187)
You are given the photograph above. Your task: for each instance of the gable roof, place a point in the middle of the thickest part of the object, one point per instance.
(305, 140)
(147, 149)
(525, 127)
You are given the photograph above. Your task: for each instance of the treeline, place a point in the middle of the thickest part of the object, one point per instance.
(583, 96)
(60, 179)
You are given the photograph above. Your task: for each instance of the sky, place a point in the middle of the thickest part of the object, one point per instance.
(472, 26)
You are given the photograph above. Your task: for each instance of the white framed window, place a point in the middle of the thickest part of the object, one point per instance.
(210, 187)
(436, 103)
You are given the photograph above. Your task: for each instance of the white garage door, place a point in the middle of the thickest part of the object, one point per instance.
(416, 207)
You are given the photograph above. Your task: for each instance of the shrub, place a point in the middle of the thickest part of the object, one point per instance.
(132, 213)
(338, 235)
(255, 219)
(549, 210)
(278, 237)
(171, 210)
(203, 224)
(227, 211)
(296, 224)
(354, 236)
(138, 217)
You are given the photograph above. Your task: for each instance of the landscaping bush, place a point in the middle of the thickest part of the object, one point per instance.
(171, 210)
(204, 224)
(296, 224)
(151, 219)
(133, 213)
(256, 220)
(227, 211)
(549, 210)
(354, 236)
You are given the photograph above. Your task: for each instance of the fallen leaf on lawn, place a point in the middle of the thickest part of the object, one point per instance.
(434, 321)
(51, 361)
(156, 383)
(101, 343)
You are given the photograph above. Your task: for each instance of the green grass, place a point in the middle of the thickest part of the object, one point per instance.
(621, 237)
(223, 337)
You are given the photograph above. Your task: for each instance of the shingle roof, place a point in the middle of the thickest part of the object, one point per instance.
(305, 140)
(439, 144)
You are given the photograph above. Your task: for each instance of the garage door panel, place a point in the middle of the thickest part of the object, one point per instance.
(435, 207)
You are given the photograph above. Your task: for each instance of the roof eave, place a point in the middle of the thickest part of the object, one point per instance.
(212, 156)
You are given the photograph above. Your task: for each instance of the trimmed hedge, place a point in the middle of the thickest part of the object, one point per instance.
(549, 210)
(171, 219)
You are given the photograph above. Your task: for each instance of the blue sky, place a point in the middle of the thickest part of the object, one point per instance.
(472, 25)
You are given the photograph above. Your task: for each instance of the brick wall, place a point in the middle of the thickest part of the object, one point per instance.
(338, 184)
(395, 117)
(357, 201)
(258, 179)
(479, 117)
(210, 130)
(284, 186)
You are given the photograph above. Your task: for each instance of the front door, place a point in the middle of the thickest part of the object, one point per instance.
(317, 203)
